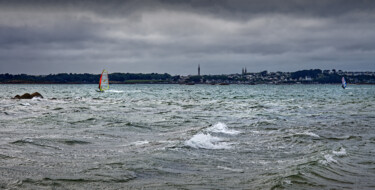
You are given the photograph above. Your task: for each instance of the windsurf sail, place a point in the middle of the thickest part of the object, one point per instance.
(343, 83)
(104, 82)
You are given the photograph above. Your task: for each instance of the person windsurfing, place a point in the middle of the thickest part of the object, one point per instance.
(343, 83)
(103, 82)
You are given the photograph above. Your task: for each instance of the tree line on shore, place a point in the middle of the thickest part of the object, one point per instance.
(86, 78)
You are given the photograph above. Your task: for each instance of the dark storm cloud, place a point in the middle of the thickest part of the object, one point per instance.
(175, 36)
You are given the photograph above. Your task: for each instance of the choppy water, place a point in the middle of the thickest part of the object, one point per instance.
(193, 137)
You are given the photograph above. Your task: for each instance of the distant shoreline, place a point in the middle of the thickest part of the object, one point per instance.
(312, 76)
(49, 83)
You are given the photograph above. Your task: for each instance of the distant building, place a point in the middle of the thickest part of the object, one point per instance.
(199, 70)
(244, 71)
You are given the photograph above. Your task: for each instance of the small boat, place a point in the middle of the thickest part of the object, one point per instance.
(343, 81)
(104, 81)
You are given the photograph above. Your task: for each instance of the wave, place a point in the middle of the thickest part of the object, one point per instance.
(206, 141)
(116, 91)
(309, 134)
(231, 169)
(138, 143)
(72, 142)
(36, 142)
(222, 128)
(37, 99)
(328, 158)
(341, 152)
(346, 137)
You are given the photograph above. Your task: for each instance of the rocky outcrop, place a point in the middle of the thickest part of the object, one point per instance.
(36, 94)
(28, 96)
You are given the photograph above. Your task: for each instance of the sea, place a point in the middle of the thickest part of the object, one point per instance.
(166, 136)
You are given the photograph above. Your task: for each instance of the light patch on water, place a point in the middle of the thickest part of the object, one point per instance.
(139, 143)
(231, 169)
(287, 182)
(341, 152)
(309, 134)
(116, 91)
(206, 141)
(255, 132)
(222, 128)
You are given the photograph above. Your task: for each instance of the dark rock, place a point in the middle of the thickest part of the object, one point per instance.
(36, 94)
(28, 96)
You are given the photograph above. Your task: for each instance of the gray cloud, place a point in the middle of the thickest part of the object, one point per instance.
(41, 37)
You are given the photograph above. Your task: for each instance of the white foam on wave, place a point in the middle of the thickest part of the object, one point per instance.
(206, 141)
(116, 91)
(26, 104)
(139, 143)
(222, 128)
(341, 152)
(309, 134)
(328, 159)
(231, 169)
(37, 99)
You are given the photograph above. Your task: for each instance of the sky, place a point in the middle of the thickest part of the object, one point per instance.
(175, 36)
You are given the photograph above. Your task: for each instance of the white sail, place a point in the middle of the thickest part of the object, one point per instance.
(343, 81)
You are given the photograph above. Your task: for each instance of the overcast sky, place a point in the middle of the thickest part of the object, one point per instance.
(174, 36)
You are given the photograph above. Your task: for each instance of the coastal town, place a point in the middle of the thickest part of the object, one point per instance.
(313, 76)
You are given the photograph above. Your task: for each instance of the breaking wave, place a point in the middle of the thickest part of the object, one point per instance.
(309, 134)
(341, 152)
(222, 128)
(207, 141)
(328, 158)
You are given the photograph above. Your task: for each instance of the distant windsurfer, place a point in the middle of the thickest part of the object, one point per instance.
(343, 83)
(103, 82)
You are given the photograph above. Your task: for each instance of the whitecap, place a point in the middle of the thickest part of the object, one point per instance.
(222, 128)
(116, 91)
(231, 169)
(309, 134)
(341, 152)
(206, 141)
(287, 182)
(139, 143)
(26, 104)
(37, 99)
(328, 159)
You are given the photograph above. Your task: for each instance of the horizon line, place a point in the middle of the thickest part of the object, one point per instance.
(181, 74)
